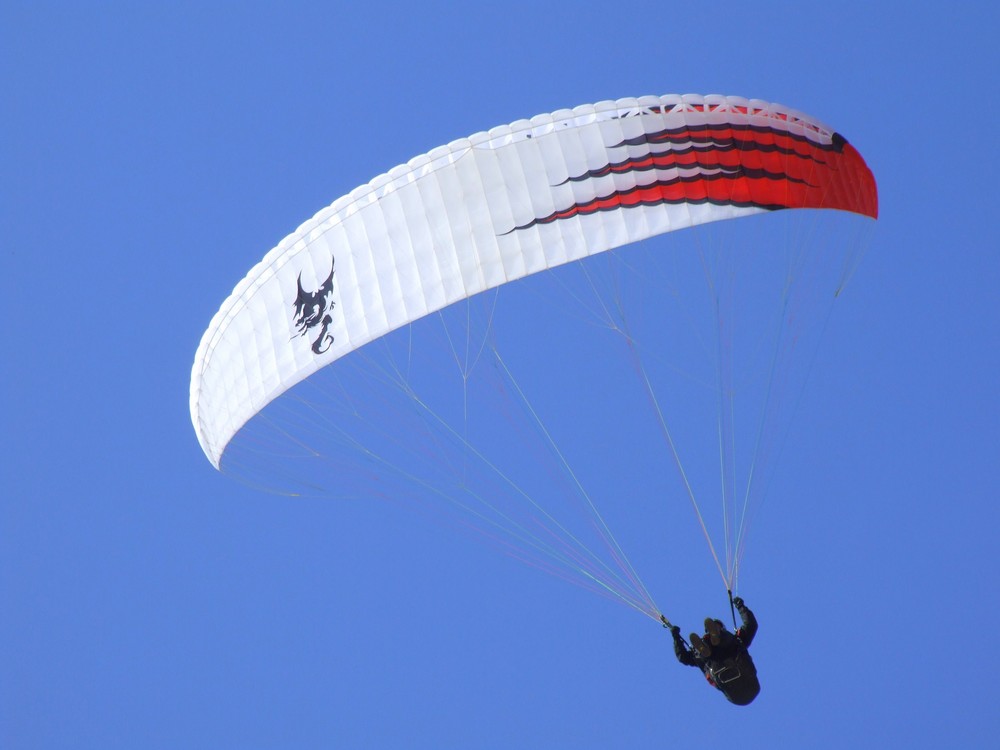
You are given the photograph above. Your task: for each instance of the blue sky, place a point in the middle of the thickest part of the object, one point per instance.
(152, 153)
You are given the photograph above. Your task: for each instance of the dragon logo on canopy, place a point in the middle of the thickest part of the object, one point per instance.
(312, 310)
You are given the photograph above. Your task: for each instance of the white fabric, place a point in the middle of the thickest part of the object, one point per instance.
(438, 230)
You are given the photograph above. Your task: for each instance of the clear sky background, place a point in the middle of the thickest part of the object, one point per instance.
(150, 154)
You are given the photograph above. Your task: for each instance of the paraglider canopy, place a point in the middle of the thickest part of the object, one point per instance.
(495, 207)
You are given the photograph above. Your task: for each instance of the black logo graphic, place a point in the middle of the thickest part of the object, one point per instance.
(313, 309)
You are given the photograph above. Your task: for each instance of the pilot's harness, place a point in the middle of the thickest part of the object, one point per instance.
(730, 669)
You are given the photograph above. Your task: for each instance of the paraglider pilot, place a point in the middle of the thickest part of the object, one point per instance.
(723, 656)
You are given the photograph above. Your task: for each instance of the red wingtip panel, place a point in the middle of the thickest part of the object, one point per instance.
(779, 170)
(857, 183)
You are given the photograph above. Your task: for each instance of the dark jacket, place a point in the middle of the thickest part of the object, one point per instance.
(729, 667)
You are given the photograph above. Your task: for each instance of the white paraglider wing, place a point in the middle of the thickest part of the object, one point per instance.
(496, 207)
